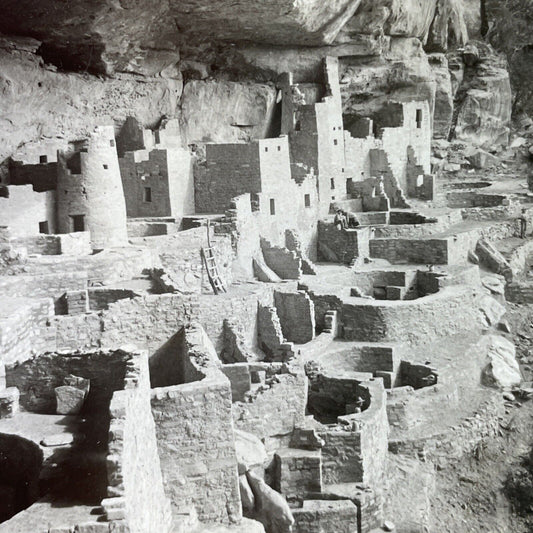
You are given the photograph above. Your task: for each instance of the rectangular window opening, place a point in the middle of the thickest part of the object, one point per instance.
(335, 142)
(78, 223)
(112, 143)
(266, 148)
(332, 183)
(147, 195)
(43, 159)
(419, 117)
(272, 206)
(307, 200)
(44, 227)
(105, 166)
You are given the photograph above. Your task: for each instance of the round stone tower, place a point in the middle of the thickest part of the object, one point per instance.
(89, 190)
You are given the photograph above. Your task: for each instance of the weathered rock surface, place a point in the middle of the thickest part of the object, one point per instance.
(143, 36)
(448, 27)
(405, 18)
(263, 62)
(69, 400)
(508, 28)
(38, 102)
(218, 111)
(484, 100)
(402, 74)
(272, 510)
(250, 451)
(502, 369)
(443, 114)
(247, 496)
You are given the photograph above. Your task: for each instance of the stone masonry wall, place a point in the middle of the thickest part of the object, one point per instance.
(23, 328)
(423, 251)
(36, 378)
(296, 313)
(275, 410)
(42, 286)
(231, 170)
(135, 483)
(457, 308)
(345, 245)
(25, 208)
(196, 447)
(156, 318)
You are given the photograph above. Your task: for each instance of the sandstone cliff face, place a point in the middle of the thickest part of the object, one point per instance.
(508, 26)
(40, 103)
(401, 74)
(215, 65)
(443, 113)
(144, 36)
(484, 100)
(401, 18)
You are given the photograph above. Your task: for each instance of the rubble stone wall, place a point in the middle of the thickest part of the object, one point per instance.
(276, 410)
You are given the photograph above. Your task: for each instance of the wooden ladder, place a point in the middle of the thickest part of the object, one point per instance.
(210, 263)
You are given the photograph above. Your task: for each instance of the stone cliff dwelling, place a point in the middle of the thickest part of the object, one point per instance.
(266, 267)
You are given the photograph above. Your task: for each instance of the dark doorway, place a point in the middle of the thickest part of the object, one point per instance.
(78, 222)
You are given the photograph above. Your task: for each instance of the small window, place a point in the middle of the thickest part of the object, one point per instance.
(272, 206)
(157, 137)
(43, 227)
(332, 183)
(342, 170)
(334, 128)
(78, 222)
(147, 195)
(112, 143)
(419, 117)
(307, 200)
(335, 142)
(333, 197)
(43, 159)
(279, 148)
(266, 148)
(105, 166)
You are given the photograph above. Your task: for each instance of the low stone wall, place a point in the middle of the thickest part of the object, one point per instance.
(23, 328)
(458, 309)
(276, 408)
(356, 449)
(42, 285)
(285, 263)
(77, 244)
(78, 332)
(416, 251)
(342, 246)
(37, 378)
(100, 298)
(317, 516)
(474, 199)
